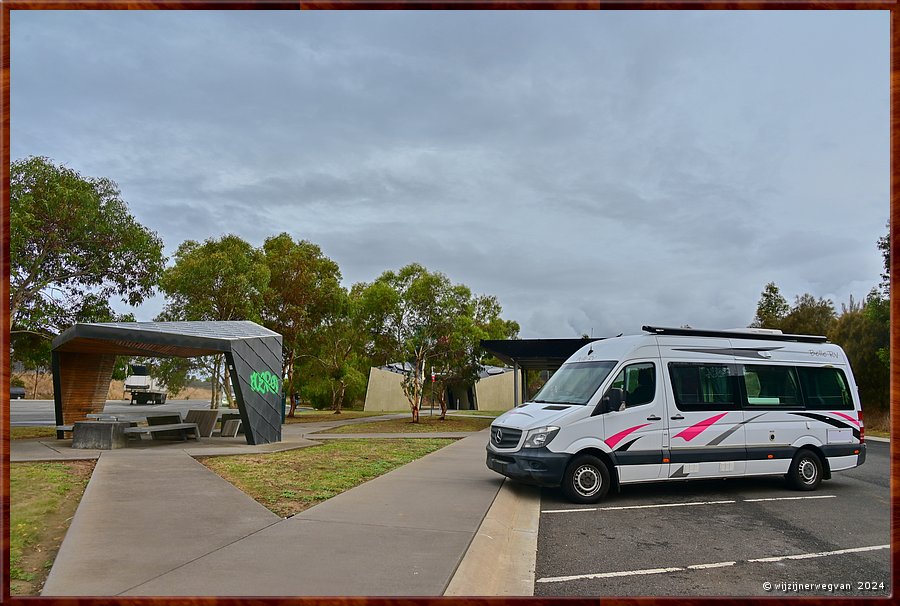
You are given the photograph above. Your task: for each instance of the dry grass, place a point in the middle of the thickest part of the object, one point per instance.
(877, 423)
(43, 499)
(28, 433)
(426, 424)
(320, 416)
(292, 481)
(477, 413)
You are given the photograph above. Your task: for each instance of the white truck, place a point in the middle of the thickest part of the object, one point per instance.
(144, 389)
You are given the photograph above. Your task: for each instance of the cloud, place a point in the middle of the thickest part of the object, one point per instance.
(593, 170)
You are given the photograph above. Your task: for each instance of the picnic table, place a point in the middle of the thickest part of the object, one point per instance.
(109, 430)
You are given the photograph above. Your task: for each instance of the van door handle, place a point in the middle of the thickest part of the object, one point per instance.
(653, 418)
(677, 418)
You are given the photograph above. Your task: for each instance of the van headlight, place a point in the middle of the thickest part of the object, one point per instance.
(539, 437)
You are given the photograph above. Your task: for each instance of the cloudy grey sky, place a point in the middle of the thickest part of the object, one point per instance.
(595, 171)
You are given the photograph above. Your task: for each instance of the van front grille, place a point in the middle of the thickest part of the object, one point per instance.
(505, 437)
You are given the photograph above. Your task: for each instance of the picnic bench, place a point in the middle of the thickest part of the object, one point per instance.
(197, 423)
(183, 429)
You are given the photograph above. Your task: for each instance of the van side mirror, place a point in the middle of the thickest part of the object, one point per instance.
(612, 400)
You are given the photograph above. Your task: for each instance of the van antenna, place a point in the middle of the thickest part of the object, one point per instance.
(591, 348)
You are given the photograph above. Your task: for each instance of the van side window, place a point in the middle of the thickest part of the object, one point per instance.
(703, 386)
(638, 381)
(771, 386)
(825, 389)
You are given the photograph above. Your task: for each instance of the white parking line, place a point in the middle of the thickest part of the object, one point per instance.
(606, 575)
(824, 496)
(626, 573)
(806, 556)
(636, 506)
(716, 565)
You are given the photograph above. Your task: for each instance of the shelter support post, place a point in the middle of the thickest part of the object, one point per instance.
(515, 384)
(255, 376)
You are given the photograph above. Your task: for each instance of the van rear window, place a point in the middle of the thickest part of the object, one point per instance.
(825, 389)
(699, 386)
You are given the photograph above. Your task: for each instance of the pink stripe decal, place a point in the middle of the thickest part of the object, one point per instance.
(611, 441)
(848, 417)
(695, 430)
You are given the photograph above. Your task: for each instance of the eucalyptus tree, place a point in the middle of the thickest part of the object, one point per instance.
(73, 246)
(219, 279)
(460, 359)
(422, 318)
(303, 291)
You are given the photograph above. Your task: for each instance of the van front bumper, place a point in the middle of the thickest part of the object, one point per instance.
(536, 466)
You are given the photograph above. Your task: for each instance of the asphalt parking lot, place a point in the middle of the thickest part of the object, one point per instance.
(723, 538)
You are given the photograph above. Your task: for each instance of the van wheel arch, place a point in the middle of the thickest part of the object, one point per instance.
(826, 468)
(613, 470)
(807, 469)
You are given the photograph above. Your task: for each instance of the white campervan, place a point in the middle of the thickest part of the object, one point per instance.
(675, 404)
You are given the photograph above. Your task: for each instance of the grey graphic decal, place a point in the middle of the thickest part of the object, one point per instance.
(626, 445)
(738, 352)
(718, 440)
(679, 473)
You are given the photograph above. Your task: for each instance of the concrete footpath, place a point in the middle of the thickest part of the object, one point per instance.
(164, 525)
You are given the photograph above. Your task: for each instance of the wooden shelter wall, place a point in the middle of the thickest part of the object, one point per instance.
(84, 384)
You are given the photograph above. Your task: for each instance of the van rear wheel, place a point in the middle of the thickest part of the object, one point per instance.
(806, 471)
(586, 480)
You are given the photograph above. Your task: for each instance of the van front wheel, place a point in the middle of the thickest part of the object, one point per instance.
(586, 480)
(806, 471)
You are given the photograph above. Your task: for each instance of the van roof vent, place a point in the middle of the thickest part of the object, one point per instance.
(731, 334)
(759, 331)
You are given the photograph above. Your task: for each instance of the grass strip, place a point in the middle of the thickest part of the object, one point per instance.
(319, 416)
(43, 500)
(292, 481)
(477, 413)
(28, 433)
(426, 424)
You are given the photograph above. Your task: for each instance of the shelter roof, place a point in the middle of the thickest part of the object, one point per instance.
(534, 354)
(183, 339)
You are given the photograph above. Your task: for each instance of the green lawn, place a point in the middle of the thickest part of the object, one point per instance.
(480, 413)
(319, 416)
(27, 433)
(43, 499)
(289, 482)
(426, 424)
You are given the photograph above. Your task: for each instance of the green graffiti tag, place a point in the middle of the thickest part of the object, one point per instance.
(264, 382)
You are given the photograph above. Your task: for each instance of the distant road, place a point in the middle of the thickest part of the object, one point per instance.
(40, 412)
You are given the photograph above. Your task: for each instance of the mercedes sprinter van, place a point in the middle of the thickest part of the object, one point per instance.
(675, 404)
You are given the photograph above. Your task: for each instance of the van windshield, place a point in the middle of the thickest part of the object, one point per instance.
(574, 383)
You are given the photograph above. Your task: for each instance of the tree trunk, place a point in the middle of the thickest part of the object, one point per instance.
(340, 400)
(227, 387)
(34, 394)
(214, 383)
(335, 403)
(443, 401)
(289, 383)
